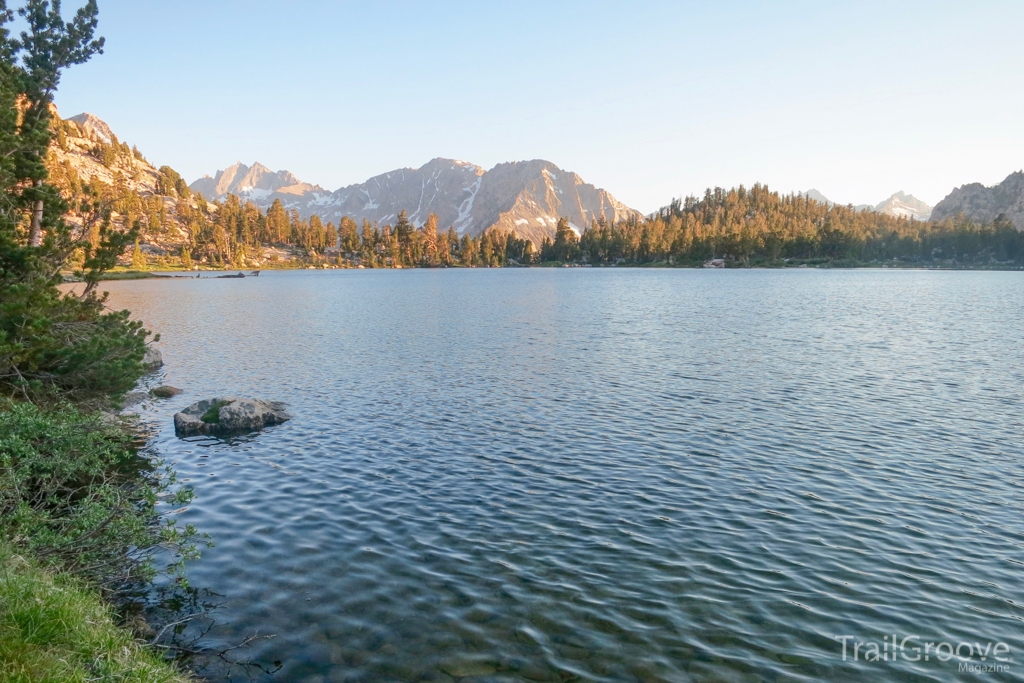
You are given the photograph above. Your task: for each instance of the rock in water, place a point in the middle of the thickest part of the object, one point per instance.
(153, 358)
(227, 415)
(164, 391)
(134, 398)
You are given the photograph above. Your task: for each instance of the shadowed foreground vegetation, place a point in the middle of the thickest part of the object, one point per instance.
(81, 523)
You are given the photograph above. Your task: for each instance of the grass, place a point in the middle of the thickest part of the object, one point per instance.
(78, 516)
(130, 275)
(212, 414)
(54, 630)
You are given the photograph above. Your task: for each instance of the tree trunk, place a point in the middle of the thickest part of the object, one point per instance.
(36, 232)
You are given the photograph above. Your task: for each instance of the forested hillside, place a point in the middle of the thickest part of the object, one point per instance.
(758, 226)
(108, 181)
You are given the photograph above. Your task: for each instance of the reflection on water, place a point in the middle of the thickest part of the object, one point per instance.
(605, 475)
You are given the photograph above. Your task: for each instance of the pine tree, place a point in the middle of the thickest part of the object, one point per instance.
(403, 237)
(565, 246)
(369, 245)
(39, 360)
(317, 234)
(277, 223)
(431, 256)
(450, 247)
(138, 258)
(349, 236)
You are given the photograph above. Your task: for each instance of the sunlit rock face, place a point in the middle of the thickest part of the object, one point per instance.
(254, 183)
(984, 204)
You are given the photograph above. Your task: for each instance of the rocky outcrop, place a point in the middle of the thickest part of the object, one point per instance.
(153, 360)
(227, 415)
(84, 149)
(93, 126)
(983, 204)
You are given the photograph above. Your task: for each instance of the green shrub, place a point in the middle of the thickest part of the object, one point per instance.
(55, 347)
(75, 494)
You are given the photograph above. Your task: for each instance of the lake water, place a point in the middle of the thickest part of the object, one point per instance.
(606, 474)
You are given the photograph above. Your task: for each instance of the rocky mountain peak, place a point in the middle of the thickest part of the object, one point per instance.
(817, 196)
(255, 183)
(93, 126)
(898, 204)
(902, 204)
(985, 204)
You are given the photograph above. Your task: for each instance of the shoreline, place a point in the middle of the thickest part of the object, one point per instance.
(214, 274)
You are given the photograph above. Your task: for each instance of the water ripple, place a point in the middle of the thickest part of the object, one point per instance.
(630, 475)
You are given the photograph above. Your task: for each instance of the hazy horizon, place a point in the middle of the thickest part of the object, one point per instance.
(651, 102)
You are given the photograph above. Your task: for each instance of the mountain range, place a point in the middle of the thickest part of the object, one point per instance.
(527, 197)
(898, 204)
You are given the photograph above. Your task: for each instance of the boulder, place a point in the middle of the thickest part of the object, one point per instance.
(228, 414)
(134, 398)
(165, 391)
(153, 358)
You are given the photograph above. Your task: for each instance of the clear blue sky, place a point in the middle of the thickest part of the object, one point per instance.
(648, 99)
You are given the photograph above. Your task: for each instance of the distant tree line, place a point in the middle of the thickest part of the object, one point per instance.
(234, 233)
(758, 227)
(742, 226)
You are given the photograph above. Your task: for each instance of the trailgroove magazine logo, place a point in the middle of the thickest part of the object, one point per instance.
(971, 657)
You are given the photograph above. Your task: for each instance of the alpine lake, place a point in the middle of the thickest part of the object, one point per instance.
(605, 474)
